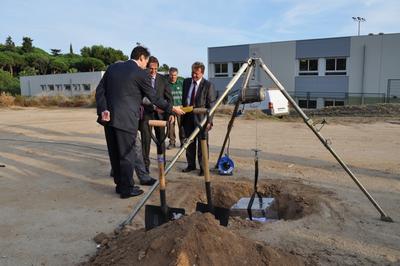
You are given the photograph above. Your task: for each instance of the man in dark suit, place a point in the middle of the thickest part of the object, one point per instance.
(197, 92)
(150, 111)
(118, 98)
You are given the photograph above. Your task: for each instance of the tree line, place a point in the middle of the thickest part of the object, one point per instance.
(28, 60)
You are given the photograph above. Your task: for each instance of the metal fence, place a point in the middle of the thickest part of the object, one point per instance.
(309, 99)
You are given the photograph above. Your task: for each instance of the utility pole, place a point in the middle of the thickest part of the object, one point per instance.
(358, 20)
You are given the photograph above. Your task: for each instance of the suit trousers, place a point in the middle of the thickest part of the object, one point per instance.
(172, 135)
(146, 139)
(195, 146)
(122, 152)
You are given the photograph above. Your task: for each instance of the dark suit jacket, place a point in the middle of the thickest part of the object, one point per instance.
(121, 90)
(206, 96)
(163, 91)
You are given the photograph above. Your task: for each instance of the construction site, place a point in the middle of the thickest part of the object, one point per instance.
(293, 196)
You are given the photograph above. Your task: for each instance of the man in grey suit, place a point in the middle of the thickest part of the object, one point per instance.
(118, 98)
(197, 92)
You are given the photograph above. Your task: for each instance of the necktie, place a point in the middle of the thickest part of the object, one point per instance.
(153, 82)
(193, 94)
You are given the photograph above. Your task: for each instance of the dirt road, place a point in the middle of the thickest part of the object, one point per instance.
(56, 195)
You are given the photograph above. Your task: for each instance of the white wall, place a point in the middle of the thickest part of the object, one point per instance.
(31, 85)
(382, 62)
(280, 58)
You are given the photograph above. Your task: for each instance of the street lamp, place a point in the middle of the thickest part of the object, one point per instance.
(359, 20)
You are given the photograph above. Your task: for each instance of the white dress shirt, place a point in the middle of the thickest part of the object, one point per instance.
(191, 89)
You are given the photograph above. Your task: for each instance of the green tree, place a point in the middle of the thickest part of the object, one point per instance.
(8, 83)
(58, 65)
(28, 71)
(70, 49)
(106, 54)
(6, 61)
(9, 45)
(27, 46)
(38, 61)
(163, 68)
(55, 52)
(90, 64)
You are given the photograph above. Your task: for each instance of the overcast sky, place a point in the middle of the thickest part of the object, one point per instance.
(179, 32)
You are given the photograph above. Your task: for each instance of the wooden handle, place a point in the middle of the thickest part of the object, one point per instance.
(199, 110)
(157, 123)
(204, 152)
(161, 175)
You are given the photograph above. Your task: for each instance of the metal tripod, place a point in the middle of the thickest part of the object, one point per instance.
(250, 64)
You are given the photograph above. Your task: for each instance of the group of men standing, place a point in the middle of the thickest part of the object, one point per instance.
(129, 95)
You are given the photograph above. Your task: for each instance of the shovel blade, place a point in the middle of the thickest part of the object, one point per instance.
(154, 215)
(221, 214)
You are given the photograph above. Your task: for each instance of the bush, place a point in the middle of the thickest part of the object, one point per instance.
(8, 83)
(6, 100)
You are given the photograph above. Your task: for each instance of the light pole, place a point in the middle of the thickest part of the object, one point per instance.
(359, 20)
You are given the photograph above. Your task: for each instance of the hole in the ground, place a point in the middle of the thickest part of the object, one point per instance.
(290, 203)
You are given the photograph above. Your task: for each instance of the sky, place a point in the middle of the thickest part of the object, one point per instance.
(179, 32)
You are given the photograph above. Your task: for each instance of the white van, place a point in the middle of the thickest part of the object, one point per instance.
(274, 103)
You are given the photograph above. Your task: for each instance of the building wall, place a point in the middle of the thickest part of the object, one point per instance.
(42, 85)
(279, 57)
(382, 62)
(229, 54)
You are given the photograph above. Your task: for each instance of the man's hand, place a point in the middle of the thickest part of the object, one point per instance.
(105, 116)
(209, 126)
(171, 119)
(177, 110)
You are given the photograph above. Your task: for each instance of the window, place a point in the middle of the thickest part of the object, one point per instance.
(67, 87)
(51, 87)
(43, 87)
(236, 67)
(308, 67)
(308, 104)
(333, 102)
(59, 87)
(335, 66)
(86, 87)
(221, 70)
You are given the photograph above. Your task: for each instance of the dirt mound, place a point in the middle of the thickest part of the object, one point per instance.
(197, 239)
(370, 110)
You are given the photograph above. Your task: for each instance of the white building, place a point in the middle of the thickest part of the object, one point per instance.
(68, 84)
(320, 72)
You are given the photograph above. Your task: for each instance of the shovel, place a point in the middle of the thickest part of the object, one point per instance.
(221, 214)
(158, 215)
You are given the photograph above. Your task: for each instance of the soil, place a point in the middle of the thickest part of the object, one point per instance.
(197, 239)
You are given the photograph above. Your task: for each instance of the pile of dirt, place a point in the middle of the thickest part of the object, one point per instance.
(369, 110)
(197, 239)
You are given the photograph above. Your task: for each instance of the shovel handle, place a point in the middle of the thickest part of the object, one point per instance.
(204, 152)
(200, 110)
(157, 123)
(161, 173)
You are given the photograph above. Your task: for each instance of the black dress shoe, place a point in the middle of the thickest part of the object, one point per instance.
(118, 190)
(201, 173)
(149, 182)
(188, 169)
(135, 192)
